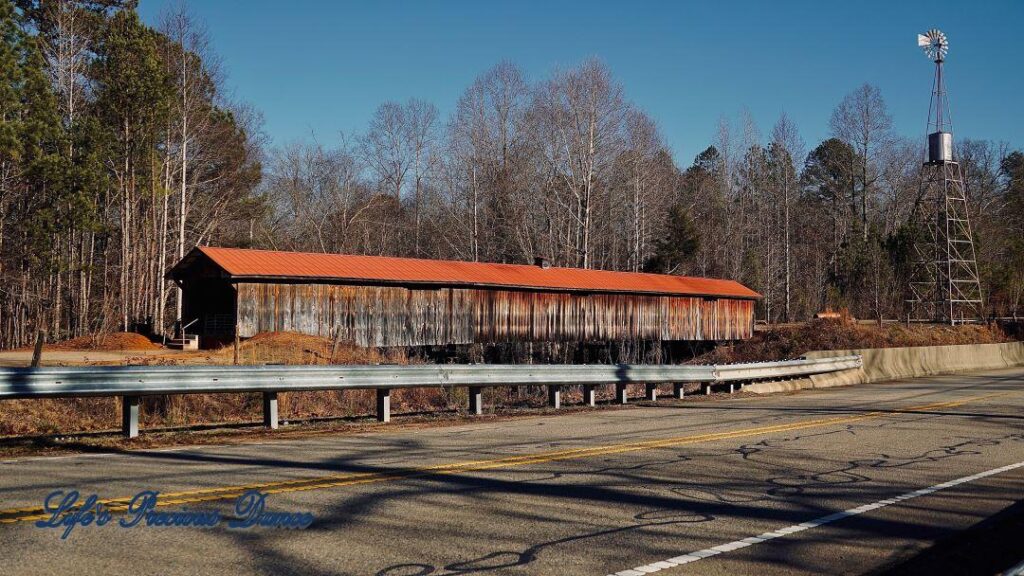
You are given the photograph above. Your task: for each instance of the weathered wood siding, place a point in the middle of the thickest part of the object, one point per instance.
(397, 316)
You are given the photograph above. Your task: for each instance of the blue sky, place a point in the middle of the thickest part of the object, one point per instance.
(319, 68)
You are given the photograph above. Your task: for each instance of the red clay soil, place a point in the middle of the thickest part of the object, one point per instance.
(110, 341)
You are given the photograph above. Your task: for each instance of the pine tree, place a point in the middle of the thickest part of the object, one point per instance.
(677, 246)
(46, 169)
(10, 84)
(133, 93)
(10, 127)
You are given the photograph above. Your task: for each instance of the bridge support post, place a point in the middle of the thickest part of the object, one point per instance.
(621, 394)
(651, 392)
(555, 396)
(476, 400)
(383, 405)
(677, 391)
(589, 395)
(270, 410)
(130, 416)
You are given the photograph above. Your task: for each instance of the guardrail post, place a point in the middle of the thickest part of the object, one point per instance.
(621, 393)
(555, 396)
(707, 387)
(130, 416)
(589, 395)
(383, 405)
(476, 400)
(652, 392)
(270, 410)
(677, 391)
(732, 387)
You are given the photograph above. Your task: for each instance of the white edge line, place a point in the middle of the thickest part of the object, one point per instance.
(781, 532)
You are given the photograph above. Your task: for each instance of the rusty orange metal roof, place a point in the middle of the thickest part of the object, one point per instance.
(265, 264)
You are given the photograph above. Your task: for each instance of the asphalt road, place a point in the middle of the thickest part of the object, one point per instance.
(840, 481)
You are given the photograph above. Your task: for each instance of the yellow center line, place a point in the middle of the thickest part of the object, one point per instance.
(12, 515)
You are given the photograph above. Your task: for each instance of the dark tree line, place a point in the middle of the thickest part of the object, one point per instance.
(119, 151)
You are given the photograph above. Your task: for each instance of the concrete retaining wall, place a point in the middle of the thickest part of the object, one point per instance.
(881, 364)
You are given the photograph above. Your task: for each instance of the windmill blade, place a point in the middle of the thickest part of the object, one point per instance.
(934, 44)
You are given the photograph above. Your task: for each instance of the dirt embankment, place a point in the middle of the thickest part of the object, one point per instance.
(780, 343)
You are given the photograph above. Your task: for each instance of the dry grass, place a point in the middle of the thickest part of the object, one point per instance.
(303, 349)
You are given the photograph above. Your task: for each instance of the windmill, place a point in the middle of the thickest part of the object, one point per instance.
(944, 284)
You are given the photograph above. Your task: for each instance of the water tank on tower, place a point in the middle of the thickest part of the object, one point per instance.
(940, 147)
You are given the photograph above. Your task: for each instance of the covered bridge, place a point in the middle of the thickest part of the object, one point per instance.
(381, 301)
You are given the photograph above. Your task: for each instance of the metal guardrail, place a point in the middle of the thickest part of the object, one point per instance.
(131, 382)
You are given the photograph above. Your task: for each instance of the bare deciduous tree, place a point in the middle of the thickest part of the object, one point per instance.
(584, 110)
(862, 121)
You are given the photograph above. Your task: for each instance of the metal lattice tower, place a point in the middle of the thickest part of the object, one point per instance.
(944, 284)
